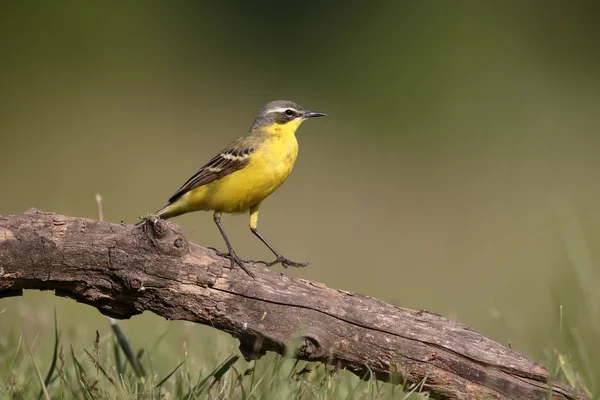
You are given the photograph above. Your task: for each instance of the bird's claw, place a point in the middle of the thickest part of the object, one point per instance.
(228, 256)
(235, 260)
(224, 254)
(242, 263)
(285, 263)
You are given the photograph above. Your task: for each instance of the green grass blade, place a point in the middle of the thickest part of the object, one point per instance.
(217, 374)
(418, 388)
(12, 364)
(150, 365)
(222, 370)
(54, 356)
(179, 384)
(254, 387)
(38, 373)
(360, 383)
(293, 370)
(118, 362)
(240, 381)
(101, 369)
(166, 378)
(139, 355)
(227, 365)
(80, 372)
(126, 347)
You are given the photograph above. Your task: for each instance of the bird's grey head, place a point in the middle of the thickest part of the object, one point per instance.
(282, 112)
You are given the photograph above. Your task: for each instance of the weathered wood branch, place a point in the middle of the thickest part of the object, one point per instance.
(123, 271)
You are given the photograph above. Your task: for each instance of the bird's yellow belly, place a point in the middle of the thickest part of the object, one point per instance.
(268, 168)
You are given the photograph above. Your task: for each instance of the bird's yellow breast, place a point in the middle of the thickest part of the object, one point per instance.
(268, 167)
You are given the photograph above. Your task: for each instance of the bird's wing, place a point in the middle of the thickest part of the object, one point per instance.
(232, 158)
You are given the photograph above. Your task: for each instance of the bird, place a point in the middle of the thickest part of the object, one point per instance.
(243, 174)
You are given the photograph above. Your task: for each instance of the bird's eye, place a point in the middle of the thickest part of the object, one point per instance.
(289, 112)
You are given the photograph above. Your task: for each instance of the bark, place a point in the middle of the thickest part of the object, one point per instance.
(122, 271)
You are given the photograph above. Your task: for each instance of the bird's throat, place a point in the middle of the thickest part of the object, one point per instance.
(284, 130)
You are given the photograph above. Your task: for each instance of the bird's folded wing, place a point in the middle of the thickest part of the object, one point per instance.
(229, 160)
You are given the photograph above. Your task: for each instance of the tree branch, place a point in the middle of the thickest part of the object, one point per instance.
(123, 271)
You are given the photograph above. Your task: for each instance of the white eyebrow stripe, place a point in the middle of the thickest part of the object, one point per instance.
(282, 109)
(229, 156)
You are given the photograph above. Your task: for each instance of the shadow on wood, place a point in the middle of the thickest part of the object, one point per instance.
(123, 271)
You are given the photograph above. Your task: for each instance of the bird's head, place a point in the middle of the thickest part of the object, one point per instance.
(283, 114)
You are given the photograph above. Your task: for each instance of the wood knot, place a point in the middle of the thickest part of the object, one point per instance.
(166, 236)
(160, 227)
(135, 284)
(308, 347)
(179, 243)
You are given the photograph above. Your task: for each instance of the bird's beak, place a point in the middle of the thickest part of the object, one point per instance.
(312, 114)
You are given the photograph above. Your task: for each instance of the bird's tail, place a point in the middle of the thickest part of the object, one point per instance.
(163, 213)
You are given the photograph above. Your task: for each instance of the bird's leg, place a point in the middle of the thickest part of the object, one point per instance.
(231, 255)
(279, 258)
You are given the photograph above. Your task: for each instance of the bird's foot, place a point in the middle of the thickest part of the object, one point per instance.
(235, 260)
(285, 263)
(228, 255)
(242, 263)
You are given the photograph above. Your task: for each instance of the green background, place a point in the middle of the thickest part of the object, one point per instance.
(457, 170)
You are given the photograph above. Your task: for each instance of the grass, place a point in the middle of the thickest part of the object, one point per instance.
(110, 369)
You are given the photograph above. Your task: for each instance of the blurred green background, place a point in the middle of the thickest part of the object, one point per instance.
(457, 170)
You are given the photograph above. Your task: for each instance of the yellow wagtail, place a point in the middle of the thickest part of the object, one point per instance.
(244, 173)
